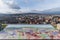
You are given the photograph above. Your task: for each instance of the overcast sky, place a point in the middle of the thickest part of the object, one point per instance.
(14, 6)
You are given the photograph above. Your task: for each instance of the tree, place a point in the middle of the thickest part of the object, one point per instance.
(2, 26)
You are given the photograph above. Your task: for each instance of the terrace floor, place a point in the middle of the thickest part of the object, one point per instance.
(29, 32)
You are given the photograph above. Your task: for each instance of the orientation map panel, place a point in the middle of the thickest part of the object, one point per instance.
(30, 25)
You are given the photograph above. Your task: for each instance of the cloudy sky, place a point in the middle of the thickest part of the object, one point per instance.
(15, 6)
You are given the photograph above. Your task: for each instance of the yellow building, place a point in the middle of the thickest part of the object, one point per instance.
(58, 26)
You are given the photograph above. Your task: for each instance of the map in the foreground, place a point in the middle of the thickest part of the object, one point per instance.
(29, 32)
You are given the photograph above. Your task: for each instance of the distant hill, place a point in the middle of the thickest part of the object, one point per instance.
(52, 11)
(35, 12)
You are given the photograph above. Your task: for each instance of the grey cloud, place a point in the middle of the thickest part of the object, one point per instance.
(12, 5)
